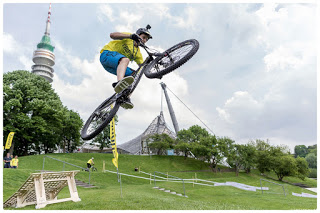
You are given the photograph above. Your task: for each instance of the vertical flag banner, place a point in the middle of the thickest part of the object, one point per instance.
(9, 140)
(113, 142)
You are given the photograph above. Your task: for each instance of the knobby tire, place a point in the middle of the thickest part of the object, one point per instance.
(153, 69)
(104, 122)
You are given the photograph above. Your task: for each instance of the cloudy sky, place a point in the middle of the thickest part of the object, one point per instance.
(254, 76)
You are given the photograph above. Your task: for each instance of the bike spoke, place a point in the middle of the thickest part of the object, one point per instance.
(99, 117)
(172, 58)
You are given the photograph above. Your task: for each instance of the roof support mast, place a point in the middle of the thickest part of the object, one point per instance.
(173, 116)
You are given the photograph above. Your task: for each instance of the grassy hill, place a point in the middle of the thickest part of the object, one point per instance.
(139, 194)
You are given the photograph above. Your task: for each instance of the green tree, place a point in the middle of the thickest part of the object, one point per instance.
(261, 145)
(263, 161)
(311, 158)
(183, 142)
(202, 145)
(207, 149)
(186, 138)
(249, 154)
(284, 165)
(160, 142)
(197, 133)
(302, 168)
(235, 157)
(72, 124)
(312, 149)
(241, 155)
(225, 145)
(182, 146)
(33, 110)
(263, 155)
(231, 151)
(300, 150)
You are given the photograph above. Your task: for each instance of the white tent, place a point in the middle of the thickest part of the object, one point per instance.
(139, 145)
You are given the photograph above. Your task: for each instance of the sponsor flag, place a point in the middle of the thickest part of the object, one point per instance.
(113, 142)
(9, 140)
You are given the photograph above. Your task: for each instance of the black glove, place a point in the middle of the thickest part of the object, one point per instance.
(135, 37)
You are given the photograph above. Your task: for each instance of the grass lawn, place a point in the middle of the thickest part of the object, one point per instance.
(138, 194)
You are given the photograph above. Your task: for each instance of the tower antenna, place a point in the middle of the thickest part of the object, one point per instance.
(47, 32)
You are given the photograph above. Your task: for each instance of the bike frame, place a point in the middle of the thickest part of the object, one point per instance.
(137, 76)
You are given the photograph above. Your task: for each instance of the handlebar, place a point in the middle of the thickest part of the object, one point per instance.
(145, 47)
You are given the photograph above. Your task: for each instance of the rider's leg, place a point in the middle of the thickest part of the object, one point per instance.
(117, 64)
(124, 75)
(122, 68)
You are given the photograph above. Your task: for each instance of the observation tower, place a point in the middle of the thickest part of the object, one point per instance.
(43, 57)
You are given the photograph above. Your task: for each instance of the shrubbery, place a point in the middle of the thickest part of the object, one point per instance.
(313, 173)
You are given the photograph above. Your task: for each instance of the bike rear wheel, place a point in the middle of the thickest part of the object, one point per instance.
(100, 118)
(174, 58)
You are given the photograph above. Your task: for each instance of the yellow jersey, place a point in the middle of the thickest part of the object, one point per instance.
(14, 162)
(125, 47)
(90, 161)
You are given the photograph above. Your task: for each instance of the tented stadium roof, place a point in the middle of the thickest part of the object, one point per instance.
(157, 126)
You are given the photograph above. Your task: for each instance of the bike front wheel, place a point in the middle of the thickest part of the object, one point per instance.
(172, 59)
(100, 118)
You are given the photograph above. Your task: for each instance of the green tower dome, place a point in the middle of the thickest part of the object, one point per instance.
(45, 43)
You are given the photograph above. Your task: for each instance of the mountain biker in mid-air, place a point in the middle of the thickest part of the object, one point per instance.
(116, 55)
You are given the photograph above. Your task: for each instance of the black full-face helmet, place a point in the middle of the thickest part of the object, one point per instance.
(145, 31)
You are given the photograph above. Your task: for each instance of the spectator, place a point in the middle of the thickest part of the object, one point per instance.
(7, 160)
(14, 162)
(11, 161)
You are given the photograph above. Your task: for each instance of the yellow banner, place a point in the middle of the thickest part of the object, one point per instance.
(113, 142)
(9, 140)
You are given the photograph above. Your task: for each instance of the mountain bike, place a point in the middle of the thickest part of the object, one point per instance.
(94, 169)
(156, 65)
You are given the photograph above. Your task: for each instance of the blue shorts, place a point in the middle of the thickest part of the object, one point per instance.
(110, 61)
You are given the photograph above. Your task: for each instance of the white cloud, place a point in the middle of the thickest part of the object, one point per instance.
(26, 62)
(160, 10)
(21, 53)
(186, 20)
(289, 57)
(129, 19)
(105, 11)
(240, 109)
(9, 44)
(126, 19)
(269, 15)
(223, 114)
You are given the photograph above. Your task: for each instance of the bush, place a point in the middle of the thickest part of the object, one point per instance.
(313, 173)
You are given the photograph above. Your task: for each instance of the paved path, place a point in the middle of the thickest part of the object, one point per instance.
(312, 189)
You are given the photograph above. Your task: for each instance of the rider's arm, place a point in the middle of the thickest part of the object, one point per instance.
(119, 36)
